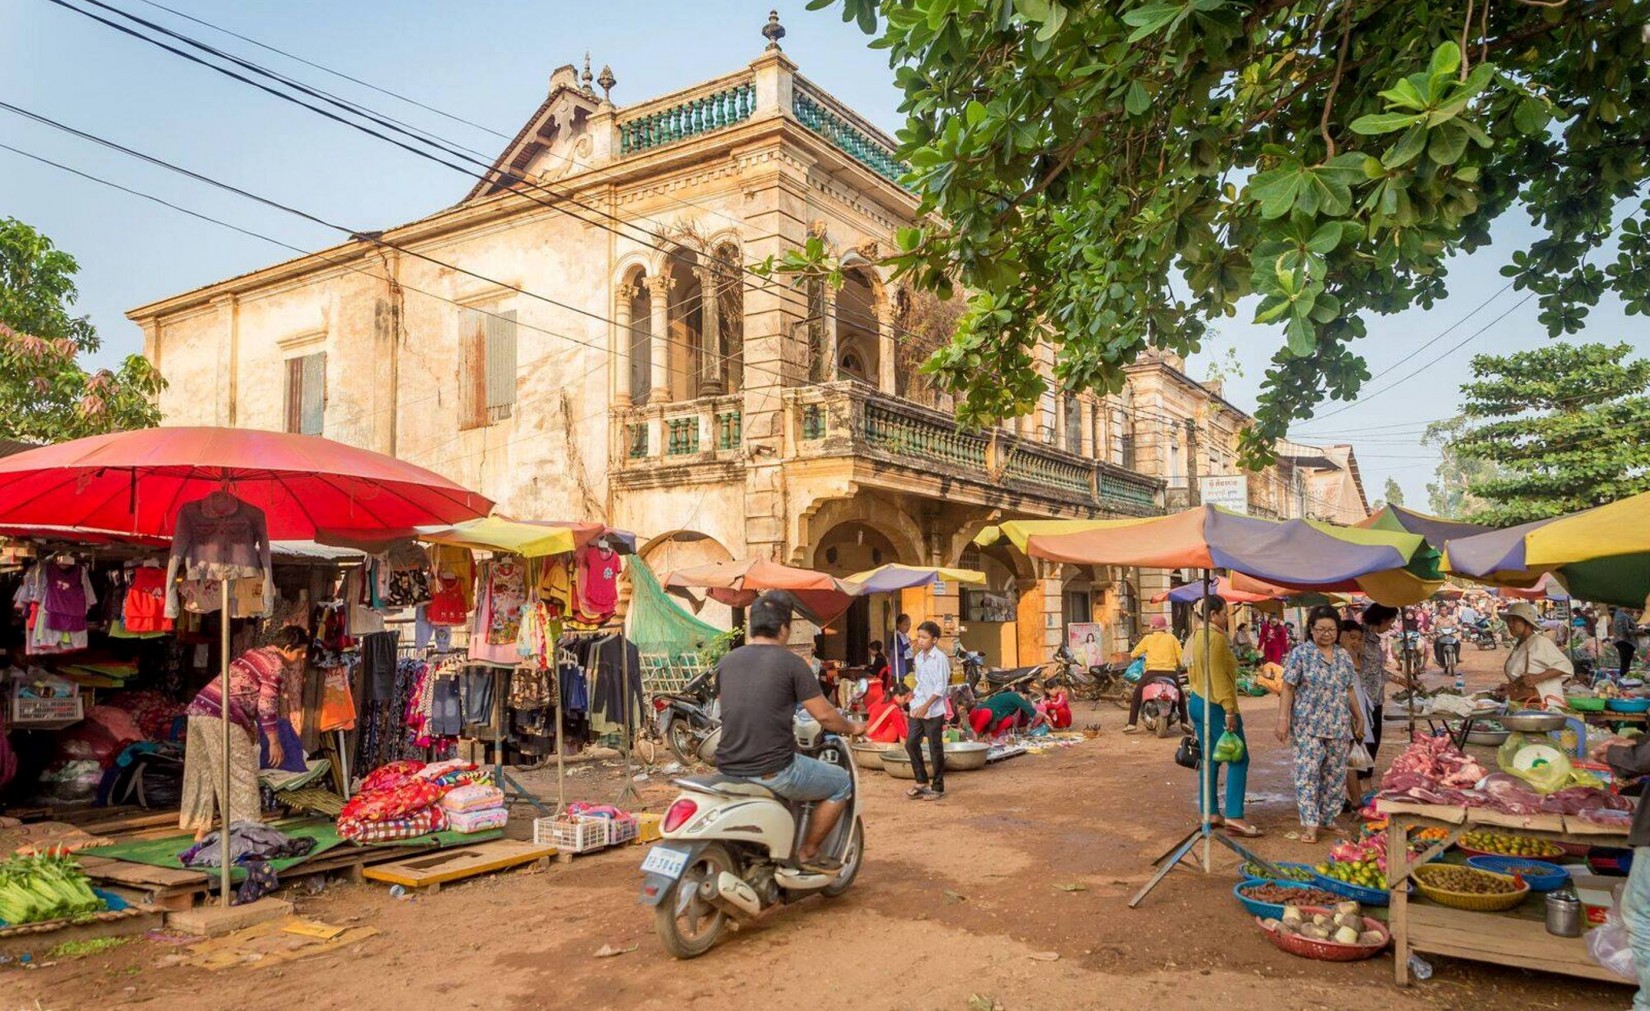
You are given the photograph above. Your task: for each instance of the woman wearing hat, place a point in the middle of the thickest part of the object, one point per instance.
(1536, 668)
(1162, 653)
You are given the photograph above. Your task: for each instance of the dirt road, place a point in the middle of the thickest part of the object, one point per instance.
(958, 899)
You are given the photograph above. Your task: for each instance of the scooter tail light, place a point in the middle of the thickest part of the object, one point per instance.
(679, 814)
(660, 705)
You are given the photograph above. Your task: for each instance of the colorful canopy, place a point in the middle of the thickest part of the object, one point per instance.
(1191, 593)
(1390, 566)
(528, 538)
(1438, 532)
(135, 482)
(737, 583)
(1600, 554)
(893, 576)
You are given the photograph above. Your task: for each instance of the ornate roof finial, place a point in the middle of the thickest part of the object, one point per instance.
(607, 81)
(586, 75)
(773, 31)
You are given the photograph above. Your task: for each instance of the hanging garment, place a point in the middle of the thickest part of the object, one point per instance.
(405, 576)
(145, 607)
(506, 596)
(459, 563)
(68, 594)
(219, 537)
(360, 619)
(598, 583)
(556, 586)
(447, 604)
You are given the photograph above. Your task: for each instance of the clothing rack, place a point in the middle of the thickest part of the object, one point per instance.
(627, 791)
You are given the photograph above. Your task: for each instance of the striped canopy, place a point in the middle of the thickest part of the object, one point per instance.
(1600, 554)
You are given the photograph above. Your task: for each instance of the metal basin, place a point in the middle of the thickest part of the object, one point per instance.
(1532, 722)
(965, 756)
(868, 754)
(897, 763)
(1488, 738)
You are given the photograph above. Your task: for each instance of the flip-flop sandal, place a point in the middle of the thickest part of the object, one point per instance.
(822, 865)
(916, 792)
(933, 795)
(1246, 832)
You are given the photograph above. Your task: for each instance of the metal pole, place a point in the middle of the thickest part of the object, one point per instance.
(561, 745)
(228, 756)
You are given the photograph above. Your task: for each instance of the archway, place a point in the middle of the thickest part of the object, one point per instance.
(685, 325)
(683, 549)
(858, 343)
(845, 549)
(634, 295)
(730, 316)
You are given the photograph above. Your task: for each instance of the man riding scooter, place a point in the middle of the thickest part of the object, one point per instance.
(760, 685)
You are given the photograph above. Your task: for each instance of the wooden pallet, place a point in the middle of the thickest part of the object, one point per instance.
(431, 871)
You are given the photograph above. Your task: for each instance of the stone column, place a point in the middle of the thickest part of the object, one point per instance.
(659, 290)
(886, 359)
(829, 351)
(711, 352)
(621, 349)
(229, 353)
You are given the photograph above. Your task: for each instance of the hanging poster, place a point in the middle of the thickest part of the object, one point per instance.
(1087, 642)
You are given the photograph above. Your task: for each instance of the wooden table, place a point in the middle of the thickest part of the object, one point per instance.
(1515, 938)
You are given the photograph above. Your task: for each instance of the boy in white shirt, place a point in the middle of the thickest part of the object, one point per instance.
(933, 670)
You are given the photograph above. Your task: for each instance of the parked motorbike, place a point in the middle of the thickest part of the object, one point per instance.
(687, 719)
(1160, 701)
(729, 850)
(989, 682)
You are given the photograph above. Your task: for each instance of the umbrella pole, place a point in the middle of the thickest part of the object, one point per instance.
(1206, 773)
(224, 849)
(1403, 661)
(561, 745)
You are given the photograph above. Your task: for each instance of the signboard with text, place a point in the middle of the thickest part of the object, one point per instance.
(1227, 491)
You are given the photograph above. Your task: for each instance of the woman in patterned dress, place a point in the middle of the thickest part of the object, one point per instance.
(1319, 711)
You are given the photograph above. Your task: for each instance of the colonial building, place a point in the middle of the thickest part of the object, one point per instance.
(580, 337)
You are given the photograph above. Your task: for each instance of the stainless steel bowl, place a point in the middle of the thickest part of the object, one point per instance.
(965, 756)
(1488, 738)
(1532, 722)
(868, 754)
(898, 764)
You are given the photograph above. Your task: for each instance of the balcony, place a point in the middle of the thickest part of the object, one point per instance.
(848, 419)
(682, 115)
(685, 442)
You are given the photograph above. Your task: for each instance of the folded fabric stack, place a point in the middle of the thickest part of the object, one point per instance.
(475, 808)
(403, 800)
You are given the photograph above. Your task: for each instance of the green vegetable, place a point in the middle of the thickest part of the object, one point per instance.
(44, 887)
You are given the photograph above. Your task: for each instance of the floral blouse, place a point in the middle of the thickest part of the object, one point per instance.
(1321, 705)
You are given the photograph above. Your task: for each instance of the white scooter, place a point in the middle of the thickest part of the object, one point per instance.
(729, 850)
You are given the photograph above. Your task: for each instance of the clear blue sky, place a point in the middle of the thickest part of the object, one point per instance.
(494, 70)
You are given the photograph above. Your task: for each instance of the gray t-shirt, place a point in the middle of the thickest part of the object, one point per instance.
(760, 687)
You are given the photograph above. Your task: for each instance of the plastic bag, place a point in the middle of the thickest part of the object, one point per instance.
(1229, 748)
(1135, 671)
(1358, 758)
(1546, 777)
(1610, 947)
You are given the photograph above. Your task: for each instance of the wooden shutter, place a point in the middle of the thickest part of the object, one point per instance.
(294, 383)
(500, 353)
(313, 402)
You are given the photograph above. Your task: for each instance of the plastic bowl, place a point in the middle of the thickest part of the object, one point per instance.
(1552, 876)
(1582, 704)
(1358, 893)
(1307, 868)
(1627, 705)
(1267, 910)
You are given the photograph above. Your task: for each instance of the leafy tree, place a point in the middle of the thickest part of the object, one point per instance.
(1565, 424)
(1394, 494)
(1112, 176)
(45, 395)
(1449, 496)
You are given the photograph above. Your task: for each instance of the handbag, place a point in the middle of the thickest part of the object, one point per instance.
(1190, 753)
(1358, 758)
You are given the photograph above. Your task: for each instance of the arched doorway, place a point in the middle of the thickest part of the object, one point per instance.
(988, 616)
(845, 549)
(685, 325)
(640, 338)
(683, 549)
(858, 347)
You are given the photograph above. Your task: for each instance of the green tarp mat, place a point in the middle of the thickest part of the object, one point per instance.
(163, 851)
(657, 623)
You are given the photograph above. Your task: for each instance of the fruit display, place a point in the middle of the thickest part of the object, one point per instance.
(1366, 873)
(1289, 896)
(1502, 844)
(44, 887)
(1465, 880)
(1342, 923)
(1285, 872)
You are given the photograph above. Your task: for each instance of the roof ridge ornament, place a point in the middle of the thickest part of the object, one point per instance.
(773, 31)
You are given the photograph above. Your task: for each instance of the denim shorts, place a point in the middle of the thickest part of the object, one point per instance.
(809, 779)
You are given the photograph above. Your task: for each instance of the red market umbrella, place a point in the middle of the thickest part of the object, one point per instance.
(821, 597)
(135, 482)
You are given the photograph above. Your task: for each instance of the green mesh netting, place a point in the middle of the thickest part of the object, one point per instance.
(657, 623)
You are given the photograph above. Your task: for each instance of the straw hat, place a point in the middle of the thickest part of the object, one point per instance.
(1524, 611)
(1159, 622)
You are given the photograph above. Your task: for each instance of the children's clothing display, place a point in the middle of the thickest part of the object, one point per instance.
(502, 593)
(219, 537)
(598, 583)
(145, 601)
(53, 600)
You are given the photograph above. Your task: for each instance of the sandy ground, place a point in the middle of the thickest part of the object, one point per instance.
(958, 900)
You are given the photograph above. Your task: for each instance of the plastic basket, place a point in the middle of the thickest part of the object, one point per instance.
(1280, 864)
(1553, 876)
(621, 830)
(1267, 910)
(1470, 901)
(1327, 951)
(571, 835)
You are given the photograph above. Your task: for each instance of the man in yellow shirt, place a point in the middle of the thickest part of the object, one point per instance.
(1162, 653)
(1214, 704)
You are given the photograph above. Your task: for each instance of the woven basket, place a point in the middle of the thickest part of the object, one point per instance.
(1327, 951)
(1468, 900)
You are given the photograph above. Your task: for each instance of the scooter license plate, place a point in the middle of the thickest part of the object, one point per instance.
(666, 860)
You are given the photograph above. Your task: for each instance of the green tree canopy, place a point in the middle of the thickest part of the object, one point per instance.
(45, 395)
(1449, 495)
(1113, 176)
(1393, 494)
(1564, 426)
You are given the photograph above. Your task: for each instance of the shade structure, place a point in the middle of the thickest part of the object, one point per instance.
(135, 482)
(738, 583)
(1436, 530)
(1546, 588)
(1449, 591)
(1295, 554)
(1190, 593)
(893, 576)
(528, 538)
(1600, 554)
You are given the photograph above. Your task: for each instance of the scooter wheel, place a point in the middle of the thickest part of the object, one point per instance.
(687, 925)
(853, 857)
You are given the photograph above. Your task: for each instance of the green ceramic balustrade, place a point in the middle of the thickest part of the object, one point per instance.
(729, 430)
(638, 441)
(925, 440)
(1037, 469)
(691, 118)
(813, 422)
(1114, 488)
(856, 143)
(683, 436)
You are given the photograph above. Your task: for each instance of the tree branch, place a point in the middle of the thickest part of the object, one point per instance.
(1340, 66)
